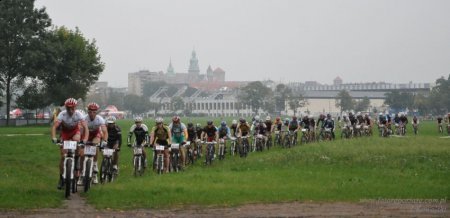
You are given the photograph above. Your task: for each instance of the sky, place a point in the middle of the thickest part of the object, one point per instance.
(394, 41)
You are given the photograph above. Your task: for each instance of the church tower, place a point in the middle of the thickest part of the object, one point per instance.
(194, 70)
(170, 70)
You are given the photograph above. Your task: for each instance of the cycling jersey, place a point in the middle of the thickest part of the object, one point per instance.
(259, 128)
(69, 124)
(94, 126)
(210, 131)
(312, 123)
(329, 123)
(278, 125)
(114, 135)
(396, 119)
(244, 128)
(160, 135)
(293, 125)
(141, 133)
(415, 121)
(439, 120)
(367, 121)
(192, 134)
(305, 123)
(199, 131)
(234, 129)
(224, 131)
(404, 120)
(352, 119)
(268, 125)
(177, 129)
(360, 119)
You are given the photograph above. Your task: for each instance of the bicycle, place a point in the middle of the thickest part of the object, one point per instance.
(382, 130)
(198, 150)
(210, 152)
(244, 146)
(305, 137)
(259, 142)
(190, 152)
(277, 137)
(358, 131)
(68, 175)
(327, 134)
(415, 127)
(138, 160)
(346, 132)
(175, 157)
(90, 149)
(269, 141)
(440, 129)
(159, 158)
(233, 146)
(107, 172)
(222, 148)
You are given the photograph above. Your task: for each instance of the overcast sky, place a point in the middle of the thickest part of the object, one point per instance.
(360, 41)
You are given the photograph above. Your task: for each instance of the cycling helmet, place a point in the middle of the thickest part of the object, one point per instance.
(286, 120)
(257, 118)
(294, 118)
(70, 102)
(311, 117)
(359, 113)
(268, 118)
(380, 114)
(210, 122)
(349, 113)
(329, 115)
(176, 119)
(158, 120)
(234, 122)
(344, 115)
(306, 116)
(93, 106)
(242, 120)
(138, 119)
(190, 125)
(223, 123)
(277, 119)
(111, 119)
(198, 125)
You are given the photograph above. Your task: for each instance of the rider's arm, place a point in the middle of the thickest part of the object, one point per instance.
(104, 132)
(169, 137)
(130, 134)
(119, 134)
(185, 132)
(86, 130)
(54, 126)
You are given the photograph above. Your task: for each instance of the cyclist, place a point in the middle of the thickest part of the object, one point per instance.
(97, 130)
(439, 121)
(210, 133)
(70, 121)
(305, 123)
(160, 134)
(312, 127)
(179, 136)
(368, 123)
(114, 140)
(415, 124)
(403, 120)
(259, 128)
(329, 123)
(233, 128)
(224, 133)
(192, 135)
(294, 126)
(140, 132)
(243, 129)
(353, 122)
(199, 131)
(320, 120)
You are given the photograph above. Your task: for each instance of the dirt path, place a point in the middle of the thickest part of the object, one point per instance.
(77, 207)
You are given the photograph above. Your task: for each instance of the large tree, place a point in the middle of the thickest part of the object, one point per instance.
(363, 104)
(344, 101)
(71, 66)
(399, 100)
(33, 97)
(296, 101)
(440, 96)
(282, 94)
(255, 94)
(21, 28)
(137, 104)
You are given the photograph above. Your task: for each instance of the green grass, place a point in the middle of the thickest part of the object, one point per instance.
(343, 170)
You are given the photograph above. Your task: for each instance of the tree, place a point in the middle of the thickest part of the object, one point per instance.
(254, 94)
(344, 101)
(440, 96)
(33, 98)
(282, 93)
(137, 104)
(295, 102)
(363, 104)
(421, 103)
(399, 100)
(21, 28)
(71, 66)
(116, 99)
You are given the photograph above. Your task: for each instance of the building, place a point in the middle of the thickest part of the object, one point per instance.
(137, 80)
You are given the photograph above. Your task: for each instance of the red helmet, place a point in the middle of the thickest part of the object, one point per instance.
(70, 102)
(93, 106)
(175, 118)
(277, 119)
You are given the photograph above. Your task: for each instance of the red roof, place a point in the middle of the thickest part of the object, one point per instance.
(218, 70)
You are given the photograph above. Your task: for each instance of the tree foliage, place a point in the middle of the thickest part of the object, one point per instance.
(399, 100)
(344, 101)
(255, 94)
(71, 66)
(137, 104)
(33, 97)
(177, 103)
(21, 29)
(296, 101)
(282, 94)
(439, 99)
(363, 104)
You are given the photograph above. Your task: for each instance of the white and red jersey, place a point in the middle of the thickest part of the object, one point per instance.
(94, 126)
(70, 123)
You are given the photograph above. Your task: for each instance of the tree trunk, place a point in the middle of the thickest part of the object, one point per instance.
(8, 99)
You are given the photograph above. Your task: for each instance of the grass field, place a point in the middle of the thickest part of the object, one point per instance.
(343, 170)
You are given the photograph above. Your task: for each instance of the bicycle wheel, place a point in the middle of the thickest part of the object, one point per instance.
(68, 180)
(87, 173)
(103, 173)
(136, 163)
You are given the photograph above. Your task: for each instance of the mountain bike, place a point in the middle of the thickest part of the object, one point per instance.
(346, 132)
(259, 143)
(175, 157)
(210, 152)
(416, 128)
(305, 136)
(90, 149)
(244, 146)
(198, 150)
(269, 142)
(159, 149)
(68, 175)
(327, 134)
(138, 160)
(190, 152)
(233, 146)
(107, 172)
(222, 148)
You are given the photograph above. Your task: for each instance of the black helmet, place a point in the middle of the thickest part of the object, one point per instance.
(242, 120)
(210, 122)
(190, 125)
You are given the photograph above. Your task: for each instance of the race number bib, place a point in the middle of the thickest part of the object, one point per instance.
(175, 146)
(90, 150)
(108, 152)
(70, 145)
(159, 148)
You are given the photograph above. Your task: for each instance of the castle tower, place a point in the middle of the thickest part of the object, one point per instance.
(194, 70)
(209, 74)
(170, 70)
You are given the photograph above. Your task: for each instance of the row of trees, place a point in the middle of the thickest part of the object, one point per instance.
(46, 64)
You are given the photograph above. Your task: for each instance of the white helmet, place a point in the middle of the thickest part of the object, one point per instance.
(234, 122)
(257, 118)
(311, 116)
(268, 118)
(380, 114)
(111, 119)
(159, 120)
(358, 114)
(138, 119)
